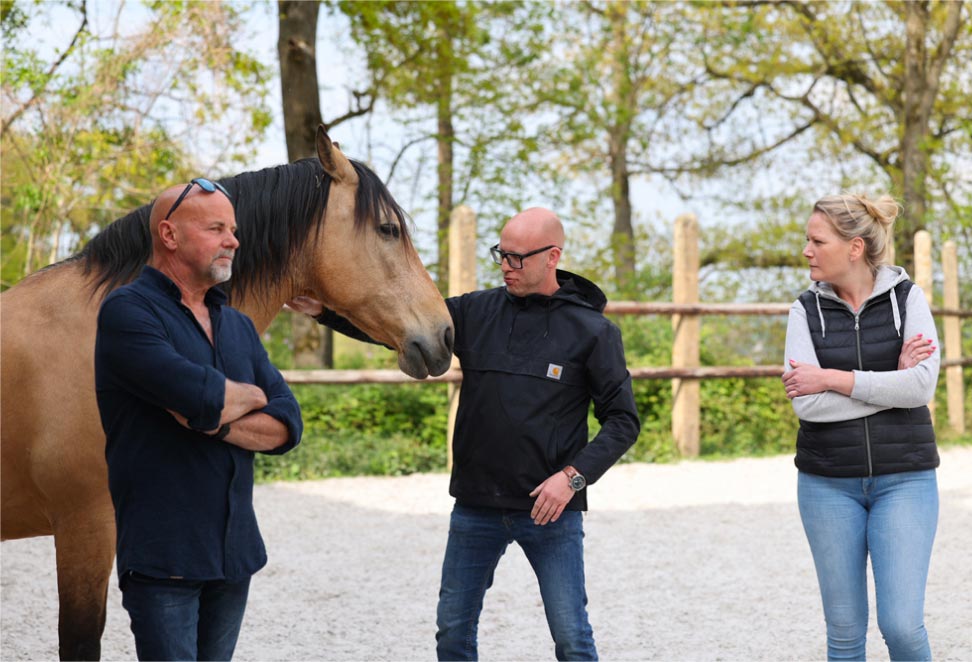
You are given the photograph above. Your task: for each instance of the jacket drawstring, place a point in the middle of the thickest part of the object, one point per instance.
(895, 312)
(823, 324)
(509, 338)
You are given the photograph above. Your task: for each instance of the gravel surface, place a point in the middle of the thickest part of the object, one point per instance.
(688, 561)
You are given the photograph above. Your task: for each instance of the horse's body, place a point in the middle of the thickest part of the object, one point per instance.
(359, 262)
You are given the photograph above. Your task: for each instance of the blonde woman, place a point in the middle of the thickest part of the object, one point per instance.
(862, 363)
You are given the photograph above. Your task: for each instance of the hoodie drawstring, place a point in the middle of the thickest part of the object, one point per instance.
(895, 312)
(823, 324)
(509, 338)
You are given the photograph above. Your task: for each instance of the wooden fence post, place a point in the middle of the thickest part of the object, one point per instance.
(924, 279)
(953, 340)
(462, 279)
(685, 346)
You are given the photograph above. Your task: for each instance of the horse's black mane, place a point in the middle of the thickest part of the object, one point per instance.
(278, 210)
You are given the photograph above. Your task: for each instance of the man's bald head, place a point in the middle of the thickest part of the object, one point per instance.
(161, 207)
(196, 244)
(536, 225)
(537, 234)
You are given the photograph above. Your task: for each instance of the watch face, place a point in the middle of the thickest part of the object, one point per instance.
(577, 482)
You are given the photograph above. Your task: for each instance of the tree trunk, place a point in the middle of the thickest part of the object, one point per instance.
(445, 137)
(296, 48)
(298, 76)
(622, 234)
(914, 160)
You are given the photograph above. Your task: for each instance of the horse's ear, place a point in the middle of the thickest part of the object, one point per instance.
(334, 162)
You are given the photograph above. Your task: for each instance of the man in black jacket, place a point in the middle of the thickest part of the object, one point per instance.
(534, 354)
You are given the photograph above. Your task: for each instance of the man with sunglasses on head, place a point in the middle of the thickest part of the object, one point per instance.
(534, 355)
(187, 395)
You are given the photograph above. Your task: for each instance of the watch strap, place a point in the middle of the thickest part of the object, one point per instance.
(222, 432)
(575, 478)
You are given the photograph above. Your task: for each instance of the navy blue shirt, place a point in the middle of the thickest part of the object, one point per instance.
(183, 501)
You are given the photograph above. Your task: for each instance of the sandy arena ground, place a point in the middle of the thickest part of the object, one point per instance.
(691, 561)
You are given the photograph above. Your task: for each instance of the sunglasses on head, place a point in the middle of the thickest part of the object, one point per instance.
(208, 185)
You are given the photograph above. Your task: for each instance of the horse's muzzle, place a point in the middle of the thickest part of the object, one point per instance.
(427, 355)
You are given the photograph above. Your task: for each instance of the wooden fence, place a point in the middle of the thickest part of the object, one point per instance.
(685, 311)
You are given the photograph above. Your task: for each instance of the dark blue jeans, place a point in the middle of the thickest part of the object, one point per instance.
(175, 619)
(478, 537)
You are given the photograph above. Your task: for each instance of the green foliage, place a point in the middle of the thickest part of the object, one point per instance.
(115, 114)
(745, 417)
(654, 400)
(365, 430)
(278, 341)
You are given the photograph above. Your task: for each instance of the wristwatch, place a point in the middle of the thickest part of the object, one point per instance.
(221, 433)
(576, 480)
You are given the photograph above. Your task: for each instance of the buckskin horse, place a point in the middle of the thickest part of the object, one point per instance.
(325, 227)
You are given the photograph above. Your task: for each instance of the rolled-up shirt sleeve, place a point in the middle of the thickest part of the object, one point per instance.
(136, 356)
(281, 403)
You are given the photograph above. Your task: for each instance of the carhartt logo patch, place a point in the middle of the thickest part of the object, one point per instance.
(554, 371)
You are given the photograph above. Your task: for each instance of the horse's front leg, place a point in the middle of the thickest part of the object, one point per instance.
(85, 545)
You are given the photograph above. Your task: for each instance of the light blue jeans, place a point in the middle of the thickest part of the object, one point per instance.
(893, 518)
(478, 537)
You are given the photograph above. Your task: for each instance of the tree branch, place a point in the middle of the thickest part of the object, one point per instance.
(5, 123)
(949, 33)
(704, 167)
(401, 153)
(357, 111)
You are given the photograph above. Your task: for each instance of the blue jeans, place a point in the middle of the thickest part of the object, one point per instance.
(893, 518)
(175, 619)
(478, 537)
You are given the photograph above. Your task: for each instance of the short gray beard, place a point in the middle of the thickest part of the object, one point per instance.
(218, 272)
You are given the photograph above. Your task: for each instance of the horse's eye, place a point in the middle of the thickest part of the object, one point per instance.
(390, 230)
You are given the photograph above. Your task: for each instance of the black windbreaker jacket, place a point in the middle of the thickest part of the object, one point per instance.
(531, 366)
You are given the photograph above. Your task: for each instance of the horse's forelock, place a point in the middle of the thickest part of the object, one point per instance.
(373, 199)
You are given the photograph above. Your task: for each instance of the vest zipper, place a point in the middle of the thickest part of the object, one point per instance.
(860, 366)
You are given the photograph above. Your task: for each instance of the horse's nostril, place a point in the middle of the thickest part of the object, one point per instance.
(448, 338)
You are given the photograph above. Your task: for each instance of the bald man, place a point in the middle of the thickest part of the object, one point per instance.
(534, 355)
(187, 395)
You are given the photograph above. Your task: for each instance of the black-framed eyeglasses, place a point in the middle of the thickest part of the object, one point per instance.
(208, 185)
(515, 260)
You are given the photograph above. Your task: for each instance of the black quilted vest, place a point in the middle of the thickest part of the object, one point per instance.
(891, 441)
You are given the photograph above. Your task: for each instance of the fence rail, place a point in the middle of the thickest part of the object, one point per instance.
(454, 375)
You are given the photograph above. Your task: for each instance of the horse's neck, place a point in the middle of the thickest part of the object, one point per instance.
(261, 308)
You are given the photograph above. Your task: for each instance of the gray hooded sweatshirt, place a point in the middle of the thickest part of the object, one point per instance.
(873, 391)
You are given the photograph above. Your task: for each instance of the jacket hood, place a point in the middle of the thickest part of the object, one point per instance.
(887, 278)
(574, 289)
